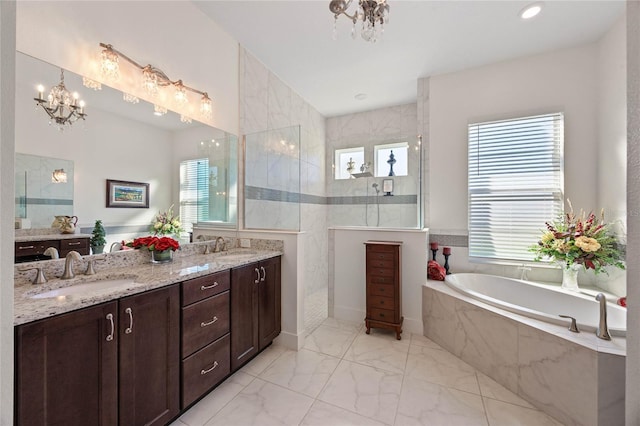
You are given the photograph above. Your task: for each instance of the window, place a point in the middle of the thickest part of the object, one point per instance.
(343, 157)
(194, 192)
(515, 184)
(382, 153)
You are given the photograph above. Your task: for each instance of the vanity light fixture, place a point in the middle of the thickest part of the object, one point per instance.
(370, 12)
(531, 11)
(62, 106)
(159, 110)
(127, 97)
(153, 79)
(91, 84)
(59, 176)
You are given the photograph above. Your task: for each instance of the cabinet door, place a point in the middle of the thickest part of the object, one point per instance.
(244, 314)
(269, 301)
(67, 369)
(150, 357)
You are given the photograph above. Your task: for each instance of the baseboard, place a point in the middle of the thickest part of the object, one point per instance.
(290, 340)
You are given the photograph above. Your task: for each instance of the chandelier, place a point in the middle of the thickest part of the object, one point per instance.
(373, 14)
(153, 79)
(62, 106)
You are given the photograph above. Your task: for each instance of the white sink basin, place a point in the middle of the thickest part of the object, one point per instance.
(79, 289)
(234, 257)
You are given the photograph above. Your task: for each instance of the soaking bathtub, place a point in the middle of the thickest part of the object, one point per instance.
(540, 301)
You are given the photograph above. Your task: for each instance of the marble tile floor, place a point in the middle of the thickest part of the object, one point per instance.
(343, 376)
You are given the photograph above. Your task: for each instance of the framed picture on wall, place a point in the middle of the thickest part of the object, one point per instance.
(121, 193)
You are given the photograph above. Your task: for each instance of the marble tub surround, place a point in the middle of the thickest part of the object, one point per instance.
(124, 264)
(576, 378)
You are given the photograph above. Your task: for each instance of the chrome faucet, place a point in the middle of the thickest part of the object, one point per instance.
(224, 245)
(68, 265)
(52, 252)
(117, 246)
(603, 331)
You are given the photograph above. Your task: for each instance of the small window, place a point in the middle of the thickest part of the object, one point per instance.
(400, 155)
(344, 157)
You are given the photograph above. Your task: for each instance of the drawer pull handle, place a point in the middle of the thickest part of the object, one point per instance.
(382, 302)
(258, 275)
(25, 247)
(207, 287)
(204, 324)
(209, 370)
(264, 274)
(129, 329)
(75, 244)
(113, 327)
(381, 256)
(382, 315)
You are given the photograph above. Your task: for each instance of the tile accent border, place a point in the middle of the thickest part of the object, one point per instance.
(266, 194)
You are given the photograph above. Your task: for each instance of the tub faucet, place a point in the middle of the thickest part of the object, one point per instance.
(524, 268)
(68, 264)
(603, 331)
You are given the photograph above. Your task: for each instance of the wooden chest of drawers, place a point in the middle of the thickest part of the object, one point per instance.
(384, 285)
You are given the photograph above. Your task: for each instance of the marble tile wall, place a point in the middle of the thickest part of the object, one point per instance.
(571, 382)
(370, 128)
(267, 105)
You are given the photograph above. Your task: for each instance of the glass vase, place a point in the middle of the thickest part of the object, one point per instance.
(162, 256)
(570, 277)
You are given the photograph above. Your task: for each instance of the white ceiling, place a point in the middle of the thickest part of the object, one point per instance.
(423, 38)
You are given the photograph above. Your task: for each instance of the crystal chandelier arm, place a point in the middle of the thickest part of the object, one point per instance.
(339, 7)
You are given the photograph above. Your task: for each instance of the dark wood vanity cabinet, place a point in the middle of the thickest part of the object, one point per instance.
(29, 251)
(205, 334)
(384, 285)
(67, 369)
(114, 363)
(255, 309)
(149, 371)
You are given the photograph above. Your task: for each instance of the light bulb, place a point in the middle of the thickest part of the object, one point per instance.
(206, 108)
(109, 64)
(180, 94)
(149, 81)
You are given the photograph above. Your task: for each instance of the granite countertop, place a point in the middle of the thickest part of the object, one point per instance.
(45, 237)
(145, 277)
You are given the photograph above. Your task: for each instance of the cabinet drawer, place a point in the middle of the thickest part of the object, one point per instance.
(373, 279)
(380, 263)
(384, 255)
(381, 248)
(81, 245)
(203, 287)
(203, 322)
(381, 272)
(205, 369)
(380, 290)
(381, 302)
(382, 315)
(30, 248)
(74, 243)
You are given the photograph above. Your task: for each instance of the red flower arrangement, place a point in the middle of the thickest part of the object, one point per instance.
(154, 243)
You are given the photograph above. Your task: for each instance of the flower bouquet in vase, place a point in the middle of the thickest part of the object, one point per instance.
(161, 248)
(165, 223)
(578, 241)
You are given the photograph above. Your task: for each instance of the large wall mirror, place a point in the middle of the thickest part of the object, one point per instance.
(119, 140)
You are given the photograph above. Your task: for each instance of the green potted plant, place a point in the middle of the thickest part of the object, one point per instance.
(97, 238)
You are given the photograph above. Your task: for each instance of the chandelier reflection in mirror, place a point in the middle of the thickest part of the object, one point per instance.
(63, 107)
(153, 79)
(372, 13)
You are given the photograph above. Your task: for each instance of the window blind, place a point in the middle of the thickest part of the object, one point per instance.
(515, 184)
(194, 192)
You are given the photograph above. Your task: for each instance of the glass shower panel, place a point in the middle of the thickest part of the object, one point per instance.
(272, 179)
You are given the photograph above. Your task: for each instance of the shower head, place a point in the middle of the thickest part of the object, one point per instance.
(375, 185)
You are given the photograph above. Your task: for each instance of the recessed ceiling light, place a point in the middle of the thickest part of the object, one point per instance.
(531, 11)
(360, 96)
